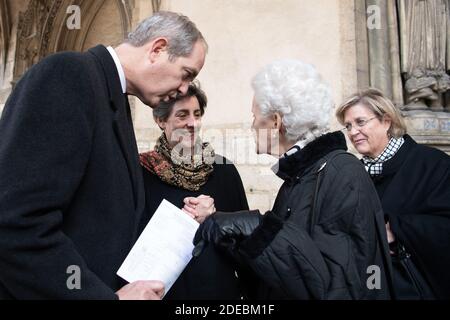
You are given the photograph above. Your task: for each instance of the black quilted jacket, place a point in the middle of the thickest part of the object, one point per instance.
(334, 254)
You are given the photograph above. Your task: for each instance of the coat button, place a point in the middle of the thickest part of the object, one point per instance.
(289, 209)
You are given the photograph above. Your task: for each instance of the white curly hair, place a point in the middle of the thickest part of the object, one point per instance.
(295, 90)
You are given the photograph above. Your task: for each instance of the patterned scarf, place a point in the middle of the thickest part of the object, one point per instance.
(172, 166)
(375, 166)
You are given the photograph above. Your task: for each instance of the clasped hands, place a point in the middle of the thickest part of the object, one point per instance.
(199, 208)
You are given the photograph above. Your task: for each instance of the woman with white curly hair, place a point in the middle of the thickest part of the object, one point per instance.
(325, 236)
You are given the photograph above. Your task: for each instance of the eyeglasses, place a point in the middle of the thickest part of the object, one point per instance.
(359, 123)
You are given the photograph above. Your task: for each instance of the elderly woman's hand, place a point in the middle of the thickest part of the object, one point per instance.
(390, 234)
(225, 229)
(199, 208)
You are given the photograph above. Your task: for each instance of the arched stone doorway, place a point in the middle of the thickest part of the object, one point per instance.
(42, 28)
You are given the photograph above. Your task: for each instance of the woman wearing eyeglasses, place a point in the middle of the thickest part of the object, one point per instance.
(413, 183)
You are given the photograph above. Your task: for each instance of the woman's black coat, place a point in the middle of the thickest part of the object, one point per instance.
(336, 259)
(415, 194)
(210, 275)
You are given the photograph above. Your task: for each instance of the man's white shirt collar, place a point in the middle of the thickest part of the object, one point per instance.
(123, 80)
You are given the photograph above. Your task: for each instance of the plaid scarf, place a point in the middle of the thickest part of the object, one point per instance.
(173, 167)
(375, 166)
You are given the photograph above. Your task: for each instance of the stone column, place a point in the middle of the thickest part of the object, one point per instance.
(5, 29)
(447, 98)
(384, 60)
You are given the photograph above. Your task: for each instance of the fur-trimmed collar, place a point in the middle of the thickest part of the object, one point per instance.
(295, 164)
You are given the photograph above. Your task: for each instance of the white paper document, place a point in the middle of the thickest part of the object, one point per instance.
(163, 249)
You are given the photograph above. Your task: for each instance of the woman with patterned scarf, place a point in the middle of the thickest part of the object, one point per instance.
(413, 183)
(181, 166)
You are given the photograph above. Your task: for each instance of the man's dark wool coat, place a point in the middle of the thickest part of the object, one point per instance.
(71, 189)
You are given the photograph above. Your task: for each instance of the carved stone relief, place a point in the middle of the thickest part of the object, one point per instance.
(423, 36)
(408, 58)
(42, 29)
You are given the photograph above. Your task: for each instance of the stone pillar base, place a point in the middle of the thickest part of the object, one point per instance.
(429, 128)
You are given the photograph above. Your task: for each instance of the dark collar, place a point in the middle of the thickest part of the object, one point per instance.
(392, 165)
(116, 95)
(295, 164)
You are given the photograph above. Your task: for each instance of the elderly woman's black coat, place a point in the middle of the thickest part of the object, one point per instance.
(211, 275)
(415, 194)
(335, 258)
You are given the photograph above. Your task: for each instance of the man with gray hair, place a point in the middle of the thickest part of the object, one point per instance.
(71, 190)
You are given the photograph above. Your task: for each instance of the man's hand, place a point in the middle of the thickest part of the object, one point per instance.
(199, 208)
(142, 290)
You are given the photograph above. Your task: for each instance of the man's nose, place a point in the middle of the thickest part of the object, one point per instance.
(183, 89)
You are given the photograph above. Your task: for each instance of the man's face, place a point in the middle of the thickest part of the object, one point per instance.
(170, 78)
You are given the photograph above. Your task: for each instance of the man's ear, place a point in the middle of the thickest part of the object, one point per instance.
(156, 47)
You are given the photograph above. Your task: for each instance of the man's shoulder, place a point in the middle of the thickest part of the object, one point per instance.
(64, 59)
(63, 66)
